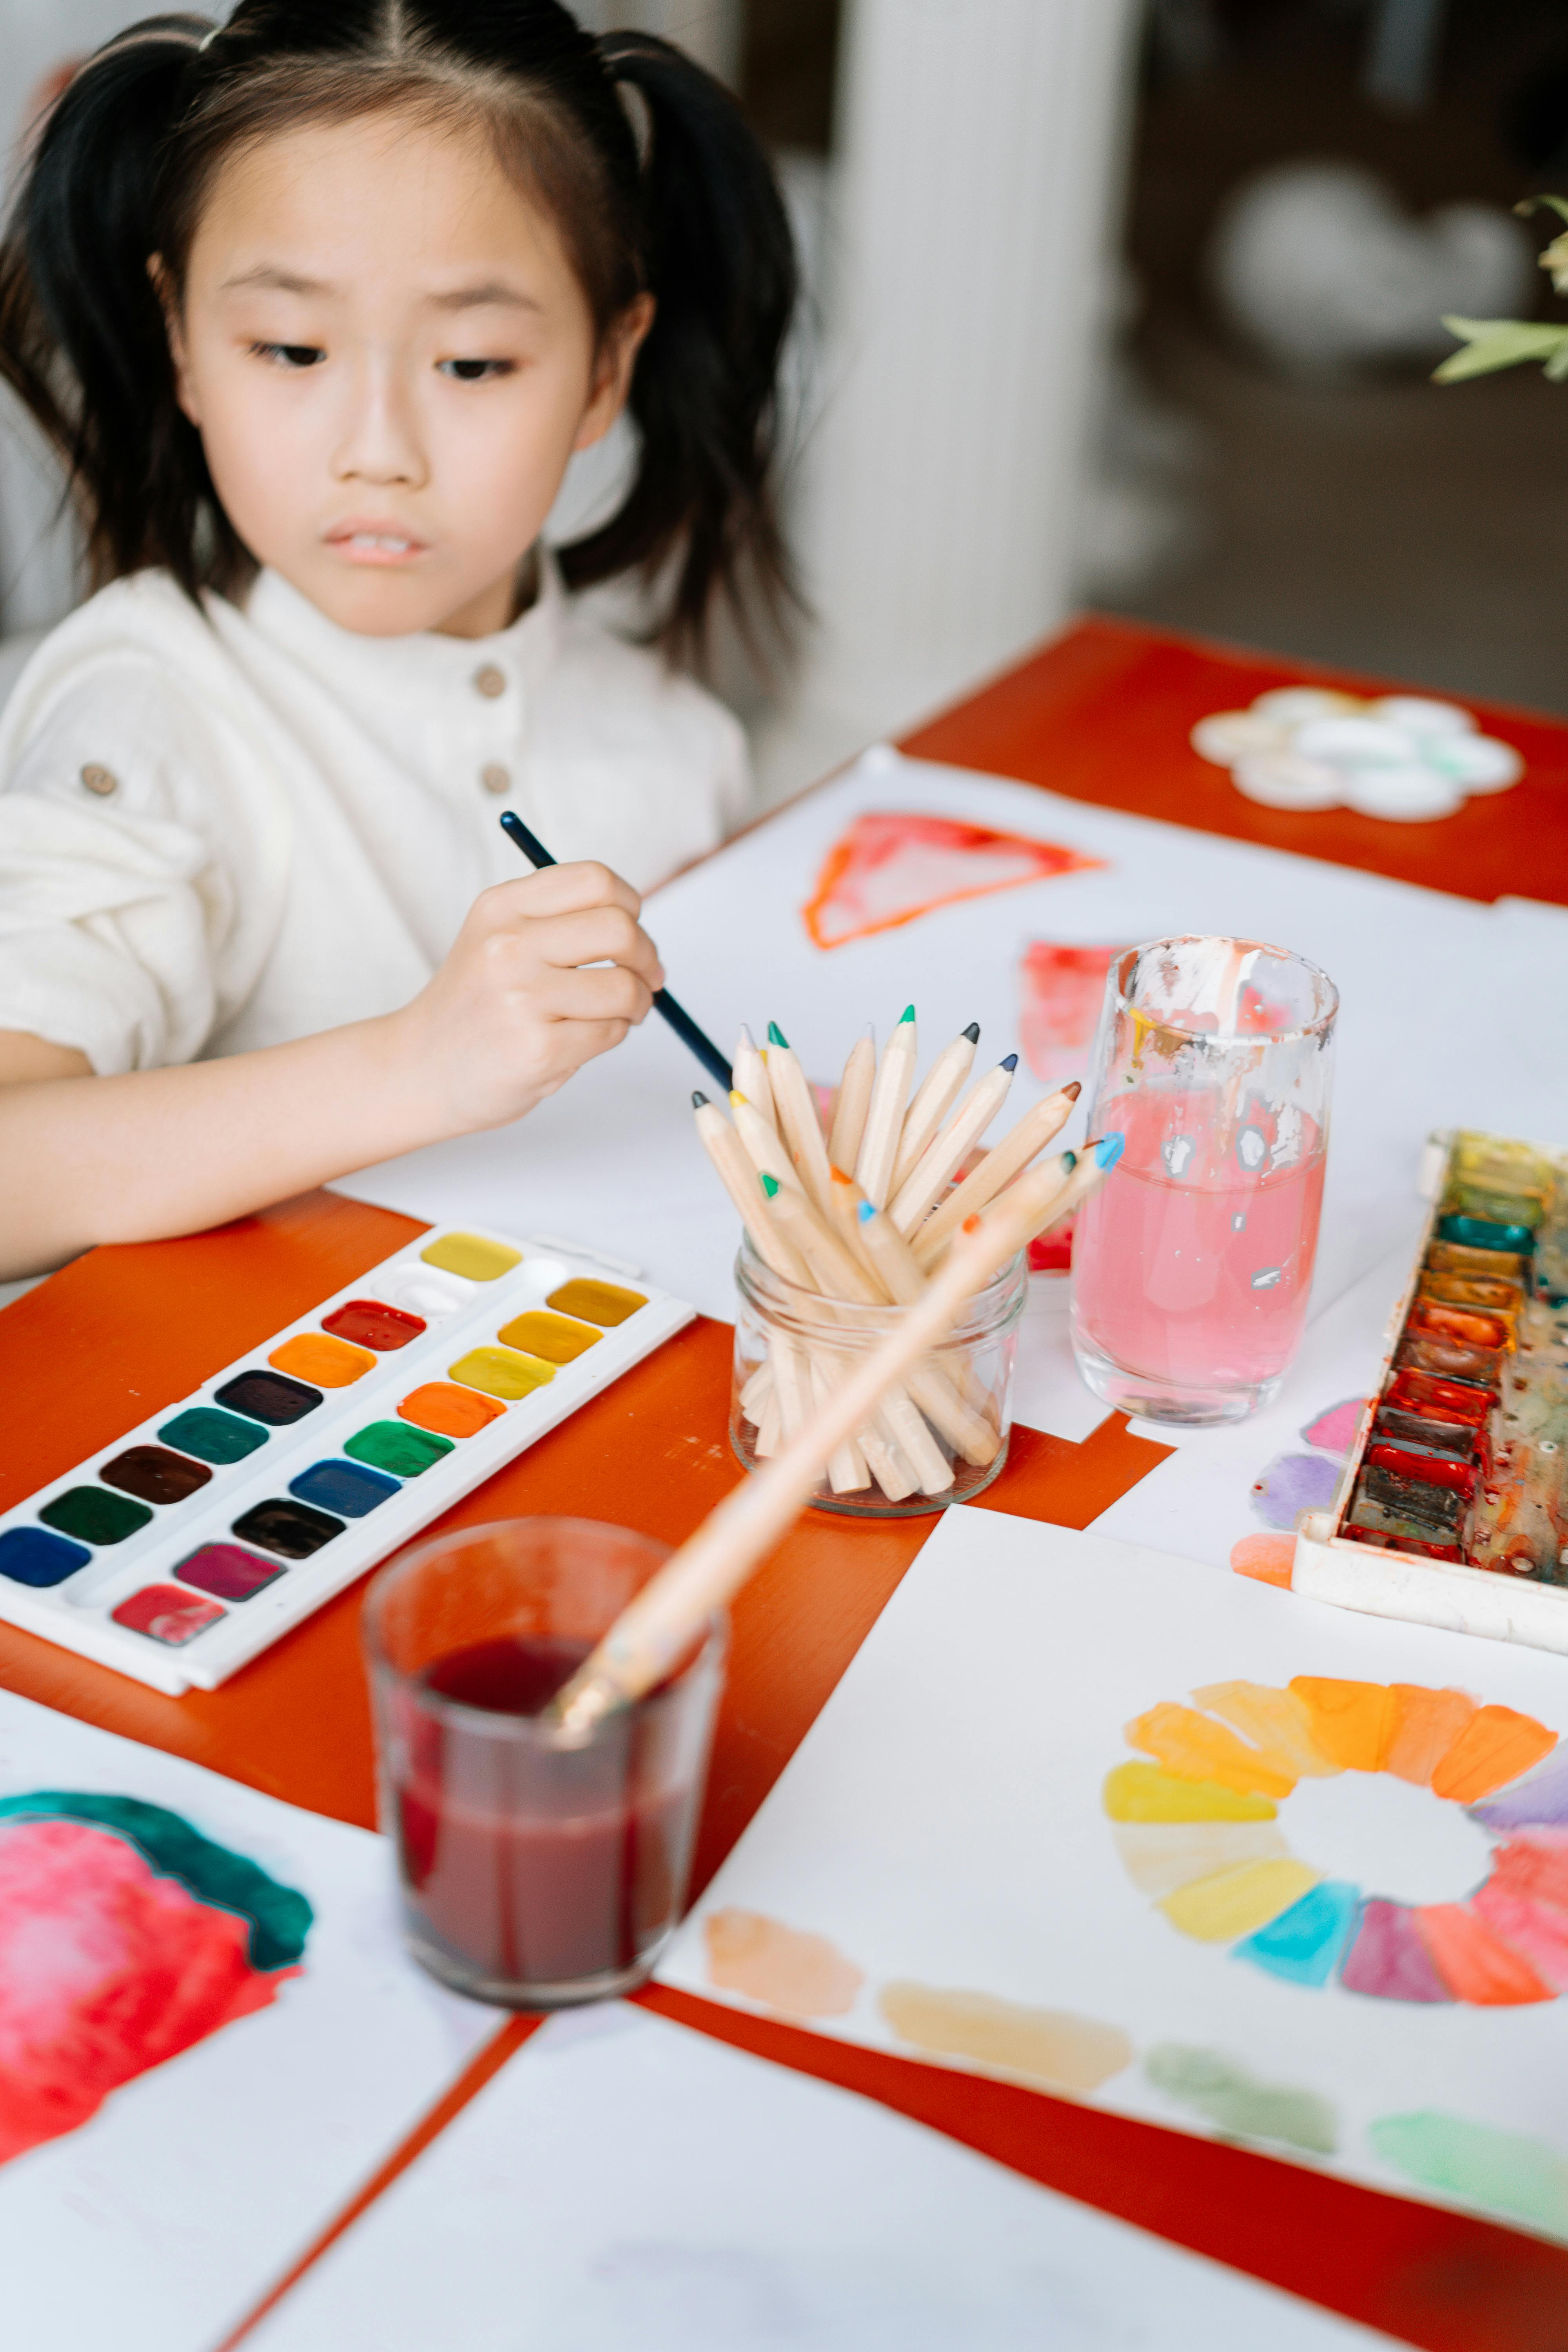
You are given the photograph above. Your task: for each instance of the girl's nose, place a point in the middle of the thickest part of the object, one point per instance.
(380, 441)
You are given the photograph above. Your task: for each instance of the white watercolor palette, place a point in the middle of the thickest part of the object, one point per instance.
(191, 1543)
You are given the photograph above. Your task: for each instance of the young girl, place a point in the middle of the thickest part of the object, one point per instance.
(318, 307)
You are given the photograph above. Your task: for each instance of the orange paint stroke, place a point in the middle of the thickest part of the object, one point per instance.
(784, 1968)
(1476, 1964)
(1049, 2046)
(1495, 1746)
(1276, 1721)
(1269, 1559)
(891, 867)
(1352, 1723)
(1426, 1725)
(1190, 1744)
(1535, 1929)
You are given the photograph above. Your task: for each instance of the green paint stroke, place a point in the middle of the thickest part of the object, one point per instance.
(1236, 2103)
(279, 1918)
(1499, 2169)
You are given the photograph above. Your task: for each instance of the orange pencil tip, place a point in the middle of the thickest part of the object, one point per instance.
(839, 1177)
(971, 1225)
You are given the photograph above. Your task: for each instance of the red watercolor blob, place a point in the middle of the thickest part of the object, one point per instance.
(368, 1323)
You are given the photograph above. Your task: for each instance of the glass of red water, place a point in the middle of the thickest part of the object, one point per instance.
(1192, 1262)
(533, 1873)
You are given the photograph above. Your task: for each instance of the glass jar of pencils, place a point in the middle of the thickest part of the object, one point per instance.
(938, 1438)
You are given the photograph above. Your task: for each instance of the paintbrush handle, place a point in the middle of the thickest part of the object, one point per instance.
(679, 1019)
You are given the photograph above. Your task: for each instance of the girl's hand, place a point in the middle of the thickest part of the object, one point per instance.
(547, 971)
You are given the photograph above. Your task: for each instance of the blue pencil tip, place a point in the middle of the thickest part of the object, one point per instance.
(1110, 1148)
(1011, 1062)
(865, 1211)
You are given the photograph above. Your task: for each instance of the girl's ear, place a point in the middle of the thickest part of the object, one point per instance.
(173, 328)
(612, 372)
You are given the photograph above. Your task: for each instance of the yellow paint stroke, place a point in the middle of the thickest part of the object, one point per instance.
(1142, 1792)
(471, 1255)
(1188, 1743)
(1276, 1721)
(1496, 1745)
(784, 1968)
(1352, 1723)
(1238, 1902)
(1049, 2046)
(1158, 1856)
(1426, 1725)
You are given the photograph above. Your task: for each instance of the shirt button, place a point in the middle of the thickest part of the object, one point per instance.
(489, 681)
(102, 781)
(495, 778)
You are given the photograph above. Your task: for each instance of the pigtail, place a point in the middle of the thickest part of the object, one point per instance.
(719, 262)
(82, 338)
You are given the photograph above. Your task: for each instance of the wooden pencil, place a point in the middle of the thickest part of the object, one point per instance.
(946, 1152)
(853, 1101)
(650, 1636)
(752, 1078)
(798, 1123)
(762, 1144)
(1007, 1159)
(885, 1115)
(934, 1097)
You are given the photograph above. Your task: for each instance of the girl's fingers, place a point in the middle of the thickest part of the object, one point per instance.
(607, 992)
(556, 890)
(564, 942)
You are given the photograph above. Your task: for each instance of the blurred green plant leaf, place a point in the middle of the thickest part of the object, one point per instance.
(1557, 204)
(1492, 343)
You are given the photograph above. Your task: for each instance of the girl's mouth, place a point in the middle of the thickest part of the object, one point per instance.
(375, 544)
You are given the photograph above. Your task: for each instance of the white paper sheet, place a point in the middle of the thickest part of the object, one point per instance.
(942, 1825)
(625, 2185)
(161, 2219)
(1436, 1029)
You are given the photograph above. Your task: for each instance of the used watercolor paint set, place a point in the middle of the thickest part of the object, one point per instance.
(1453, 1510)
(188, 1545)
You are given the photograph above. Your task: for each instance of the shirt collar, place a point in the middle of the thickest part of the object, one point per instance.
(410, 669)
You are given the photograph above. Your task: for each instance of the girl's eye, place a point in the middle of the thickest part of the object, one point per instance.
(289, 355)
(474, 370)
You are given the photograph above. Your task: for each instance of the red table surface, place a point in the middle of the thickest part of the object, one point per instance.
(1104, 715)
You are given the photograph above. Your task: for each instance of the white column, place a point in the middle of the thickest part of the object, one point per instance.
(980, 148)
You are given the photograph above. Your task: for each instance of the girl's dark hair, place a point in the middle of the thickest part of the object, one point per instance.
(684, 208)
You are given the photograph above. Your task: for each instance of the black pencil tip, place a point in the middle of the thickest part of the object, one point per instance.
(972, 1032)
(698, 1101)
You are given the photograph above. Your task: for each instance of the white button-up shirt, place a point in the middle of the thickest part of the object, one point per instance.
(222, 830)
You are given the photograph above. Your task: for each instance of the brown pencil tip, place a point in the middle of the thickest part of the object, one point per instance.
(1073, 1091)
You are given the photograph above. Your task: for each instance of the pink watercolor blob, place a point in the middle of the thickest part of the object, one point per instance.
(109, 1965)
(1062, 988)
(1335, 1430)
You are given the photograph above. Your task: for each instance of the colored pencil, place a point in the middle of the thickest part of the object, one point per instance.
(798, 1123)
(853, 1101)
(649, 1637)
(1010, 1157)
(885, 1116)
(679, 1019)
(739, 1177)
(762, 1144)
(752, 1078)
(946, 1152)
(934, 1097)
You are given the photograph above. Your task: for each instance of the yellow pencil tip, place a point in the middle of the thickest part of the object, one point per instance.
(736, 1097)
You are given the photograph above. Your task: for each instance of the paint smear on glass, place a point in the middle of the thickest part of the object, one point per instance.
(1274, 1720)
(1062, 988)
(1426, 1725)
(1352, 1723)
(891, 867)
(1496, 1745)
(125, 1937)
(1217, 2087)
(1292, 1483)
(1334, 1431)
(1271, 1560)
(1190, 1744)
(1236, 1903)
(1160, 1856)
(1304, 1945)
(1049, 2046)
(1477, 1965)
(1142, 1792)
(1503, 2171)
(784, 1968)
(1388, 1960)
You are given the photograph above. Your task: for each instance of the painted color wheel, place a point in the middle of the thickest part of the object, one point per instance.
(1198, 1830)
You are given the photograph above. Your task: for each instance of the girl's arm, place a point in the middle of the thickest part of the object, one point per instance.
(507, 1018)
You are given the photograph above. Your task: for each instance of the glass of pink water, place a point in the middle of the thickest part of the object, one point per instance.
(1191, 1265)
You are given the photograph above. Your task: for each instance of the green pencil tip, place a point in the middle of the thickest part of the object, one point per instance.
(907, 1014)
(777, 1035)
(1069, 1161)
(770, 1186)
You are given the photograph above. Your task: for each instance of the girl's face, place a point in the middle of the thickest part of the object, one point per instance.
(390, 361)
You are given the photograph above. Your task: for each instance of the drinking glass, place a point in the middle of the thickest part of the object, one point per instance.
(533, 1873)
(1191, 1265)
